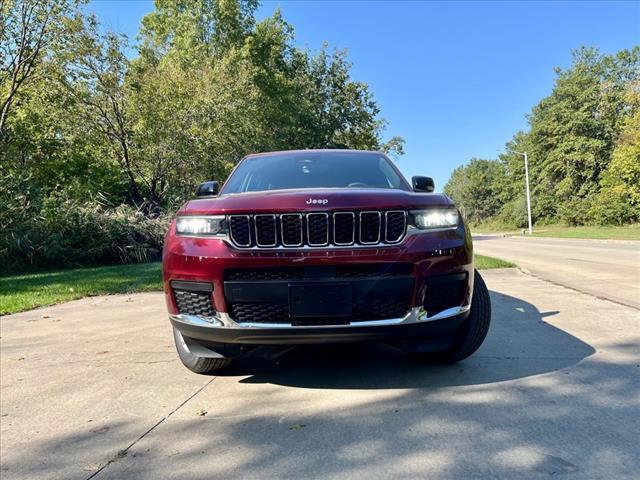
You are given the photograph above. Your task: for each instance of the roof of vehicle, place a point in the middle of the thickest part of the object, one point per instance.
(312, 150)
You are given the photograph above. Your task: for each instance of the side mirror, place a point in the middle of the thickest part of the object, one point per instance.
(207, 189)
(423, 184)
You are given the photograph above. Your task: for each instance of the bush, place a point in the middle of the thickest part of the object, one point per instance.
(614, 208)
(514, 214)
(65, 233)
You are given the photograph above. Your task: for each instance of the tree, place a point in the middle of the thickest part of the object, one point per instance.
(29, 30)
(473, 188)
(573, 130)
(581, 140)
(619, 199)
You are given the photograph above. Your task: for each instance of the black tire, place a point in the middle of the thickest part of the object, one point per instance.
(196, 363)
(472, 332)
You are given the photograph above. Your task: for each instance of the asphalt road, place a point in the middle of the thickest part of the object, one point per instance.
(606, 269)
(93, 389)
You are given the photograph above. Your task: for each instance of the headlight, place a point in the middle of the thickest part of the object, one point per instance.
(435, 218)
(205, 226)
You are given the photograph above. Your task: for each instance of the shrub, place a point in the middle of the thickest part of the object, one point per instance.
(575, 211)
(66, 233)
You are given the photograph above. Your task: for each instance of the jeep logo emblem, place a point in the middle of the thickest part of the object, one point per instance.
(317, 201)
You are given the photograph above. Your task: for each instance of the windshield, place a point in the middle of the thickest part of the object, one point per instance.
(314, 170)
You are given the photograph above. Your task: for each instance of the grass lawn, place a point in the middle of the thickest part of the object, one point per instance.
(604, 233)
(485, 263)
(30, 290)
(630, 232)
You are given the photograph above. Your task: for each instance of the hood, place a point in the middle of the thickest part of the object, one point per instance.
(314, 200)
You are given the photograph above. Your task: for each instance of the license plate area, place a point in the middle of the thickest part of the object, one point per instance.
(320, 300)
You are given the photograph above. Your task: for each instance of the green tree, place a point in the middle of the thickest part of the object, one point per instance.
(574, 129)
(619, 199)
(474, 189)
(30, 30)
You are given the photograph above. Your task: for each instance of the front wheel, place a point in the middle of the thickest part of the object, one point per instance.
(472, 332)
(196, 363)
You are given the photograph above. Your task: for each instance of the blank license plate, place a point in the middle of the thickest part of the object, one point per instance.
(320, 300)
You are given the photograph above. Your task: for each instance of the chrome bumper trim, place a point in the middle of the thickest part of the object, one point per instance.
(223, 320)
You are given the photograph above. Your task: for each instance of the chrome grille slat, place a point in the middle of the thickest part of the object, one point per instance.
(369, 220)
(340, 227)
(395, 223)
(290, 228)
(240, 229)
(318, 229)
(265, 228)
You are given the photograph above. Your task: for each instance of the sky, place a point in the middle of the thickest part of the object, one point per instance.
(455, 80)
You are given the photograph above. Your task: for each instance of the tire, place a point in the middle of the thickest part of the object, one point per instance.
(472, 332)
(196, 363)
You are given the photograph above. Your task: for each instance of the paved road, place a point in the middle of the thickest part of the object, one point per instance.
(93, 389)
(607, 269)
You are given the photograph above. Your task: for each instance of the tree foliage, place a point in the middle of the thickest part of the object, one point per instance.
(582, 147)
(84, 121)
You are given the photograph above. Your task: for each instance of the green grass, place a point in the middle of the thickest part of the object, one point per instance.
(26, 291)
(485, 263)
(604, 233)
(629, 232)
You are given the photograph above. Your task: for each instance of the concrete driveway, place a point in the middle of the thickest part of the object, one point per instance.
(93, 389)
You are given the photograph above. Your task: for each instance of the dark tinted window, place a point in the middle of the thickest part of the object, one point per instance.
(314, 170)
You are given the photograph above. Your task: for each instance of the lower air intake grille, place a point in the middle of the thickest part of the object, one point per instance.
(260, 312)
(192, 303)
(193, 298)
(444, 292)
(379, 309)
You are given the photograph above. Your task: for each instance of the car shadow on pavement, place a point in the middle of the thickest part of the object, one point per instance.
(520, 343)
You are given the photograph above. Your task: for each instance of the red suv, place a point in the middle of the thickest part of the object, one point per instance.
(321, 246)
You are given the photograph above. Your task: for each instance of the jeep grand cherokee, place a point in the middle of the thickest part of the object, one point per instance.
(321, 246)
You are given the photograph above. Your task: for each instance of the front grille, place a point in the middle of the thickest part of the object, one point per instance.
(318, 229)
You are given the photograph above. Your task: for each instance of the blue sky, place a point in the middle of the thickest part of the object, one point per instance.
(454, 79)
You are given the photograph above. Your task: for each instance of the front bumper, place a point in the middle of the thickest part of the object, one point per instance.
(222, 330)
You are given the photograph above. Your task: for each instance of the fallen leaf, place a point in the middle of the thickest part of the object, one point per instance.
(46, 315)
(297, 426)
(201, 413)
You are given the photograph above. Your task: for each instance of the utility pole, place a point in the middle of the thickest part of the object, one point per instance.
(526, 176)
